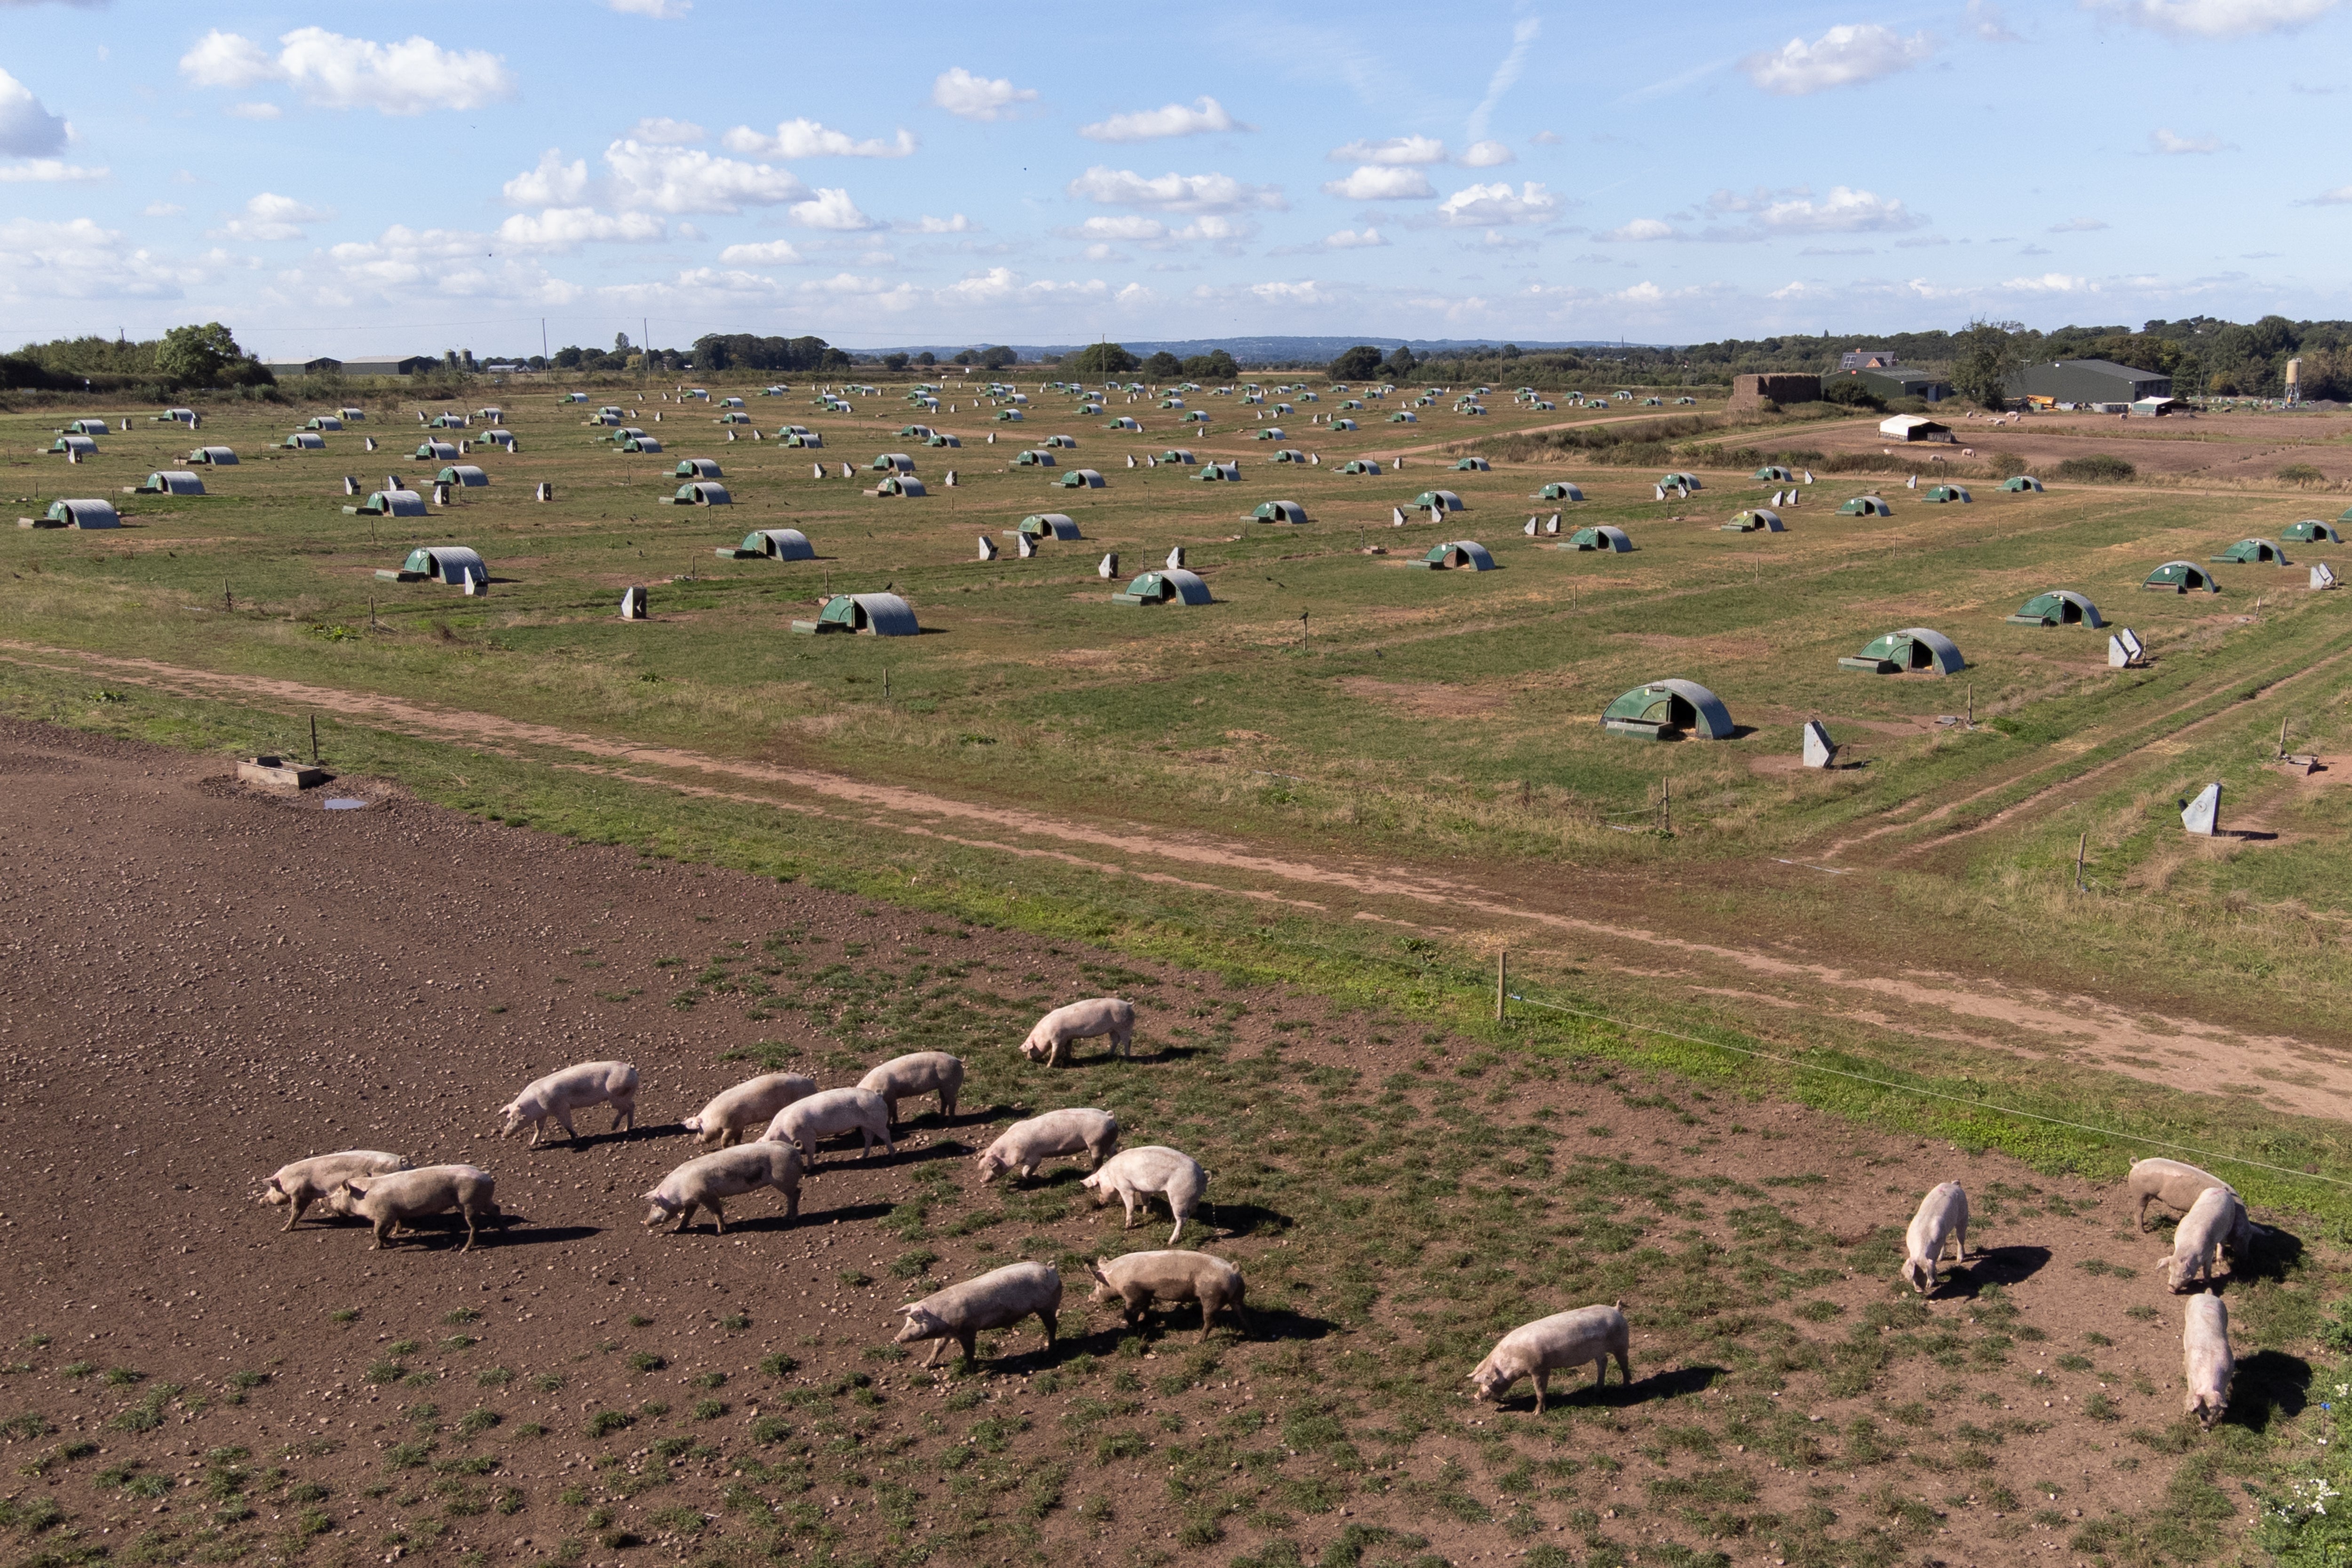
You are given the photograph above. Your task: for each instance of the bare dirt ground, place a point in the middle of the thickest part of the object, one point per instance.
(204, 982)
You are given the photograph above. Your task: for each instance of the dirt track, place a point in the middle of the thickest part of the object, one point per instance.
(2297, 1074)
(204, 982)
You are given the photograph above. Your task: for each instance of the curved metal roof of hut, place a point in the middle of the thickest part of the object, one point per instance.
(2254, 552)
(1446, 499)
(172, 482)
(1558, 489)
(2313, 530)
(2058, 607)
(1458, 554)
(1673, 705)
(1755, 520)
(84, 513)
(447, 563)
(1601, 538)
(641, 444)
(2024, 483)
(877, 614)
(214, 456)
(697, 469)
(901, 485)
(1866, 506)
(309, 441)
(1912, 647)
(390, 503)
(1279, 511)
(2182, 577)
(1049, 524)
(1164, 585)
(779, 544)
(1081, 480)
(435, 451)
(1473, 466)
(466, 476)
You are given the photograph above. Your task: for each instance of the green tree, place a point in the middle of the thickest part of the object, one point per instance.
(1986, 359)
(1100, 358)
(1214, 366)
(896, 361)
(1163, 367)
(1356, 363)
(196, 356)
(1399, 364)
(927, 358)
(998, 357)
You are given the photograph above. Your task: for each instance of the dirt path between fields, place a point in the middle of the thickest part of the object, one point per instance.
(2292, 1074)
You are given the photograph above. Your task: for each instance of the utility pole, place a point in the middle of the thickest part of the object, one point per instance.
(542, 337)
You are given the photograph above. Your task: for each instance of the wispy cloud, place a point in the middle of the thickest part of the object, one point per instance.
(1507, 74)
(2215, 18)
(2172, 145)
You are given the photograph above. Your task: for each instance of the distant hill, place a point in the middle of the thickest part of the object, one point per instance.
(1259, 350)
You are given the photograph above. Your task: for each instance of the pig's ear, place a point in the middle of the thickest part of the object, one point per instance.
(355, 1189)
(275, 1185)
(1094, 1266)
(908, 1310)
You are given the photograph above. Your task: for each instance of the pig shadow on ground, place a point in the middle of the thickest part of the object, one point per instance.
(1227, 1221)
(2274, 1255)
(2001, 1266)
(2268, 1384)
(556, 1142)
(1574, 1384)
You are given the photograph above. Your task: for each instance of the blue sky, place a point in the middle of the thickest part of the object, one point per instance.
(410, 179)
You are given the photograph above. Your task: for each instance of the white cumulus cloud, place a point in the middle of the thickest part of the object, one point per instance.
(1173, 193)
(1845, 56)
(2174, 145)
(26, 129)
(269, 217)
(1641, 229)
(569, 228)
(1354, 239)
(1374, 183)
(332, 71)
(553, 184)
(955, 222)
(78, 260)
(50, 171)
(2340, 196)
(971, 97)
(830, 208)
(809, 139)
(661, 131)
(690, 180)
(1202, 115)
(1478, 205)
(2216, 18)
(1395, 150)
(768, 253)
(1485, 156)
(1844, 211)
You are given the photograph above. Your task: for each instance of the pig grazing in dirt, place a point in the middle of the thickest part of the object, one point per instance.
(2215, 1217)
(2206, 1363)
(925, 1072)
(305, 1181)
(559, 1094)
(811, 1122)
(2171, 1183)
(398, 1198)
(1074, 1129)
(737, 1113)
(1943, 1216)
(960, 1312)
(1050, 1041)
(1565, 1339)
(1140, 1173)
(708, 1181)
(1139, 1279)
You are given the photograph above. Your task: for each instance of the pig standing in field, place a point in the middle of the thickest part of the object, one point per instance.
(811, 1122)
(1565, 1339)
(2171, 1183)
(960, 1312)
(733, 1113)
(1139, 1279)
(1050, 1040)
(2204, 1230)
(905, 1078)
(400, 1197)
(559, 1094)
(2178, 1186)
(1074, 1129)
(1943, 1216)
(1140, 1173)
(708, 1181)
(305, 1181)
(2206, 1362)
